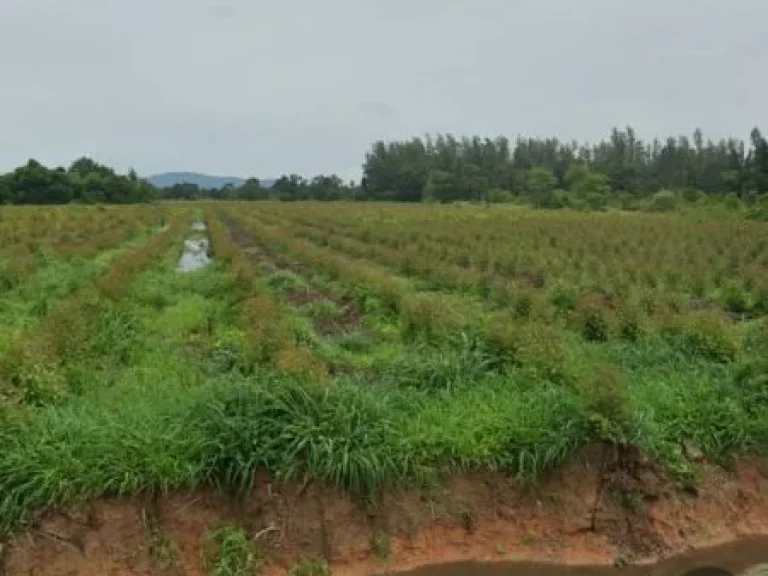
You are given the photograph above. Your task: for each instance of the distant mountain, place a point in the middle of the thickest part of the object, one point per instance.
(203, 180)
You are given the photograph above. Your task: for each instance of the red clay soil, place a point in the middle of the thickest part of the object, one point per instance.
(640, 516)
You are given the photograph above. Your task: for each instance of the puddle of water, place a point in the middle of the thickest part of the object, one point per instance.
(748, 557)
(195, 256)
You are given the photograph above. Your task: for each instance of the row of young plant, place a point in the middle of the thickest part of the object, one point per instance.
(30, 236)
(705, 333)
(681, 261)
(538, 346)
(34, 371)
(269, 340)
(554, 238)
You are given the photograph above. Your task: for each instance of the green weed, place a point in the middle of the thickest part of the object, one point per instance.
(311, 568)
(228, 552)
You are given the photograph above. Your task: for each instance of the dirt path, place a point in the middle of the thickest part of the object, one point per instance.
(486, 518)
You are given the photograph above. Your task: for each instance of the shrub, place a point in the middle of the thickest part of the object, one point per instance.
(596, 201)
(631, 322)
(593, 318)
(664, 201)
(299, 362)
(706, 335)
(607, 403)
(30, 378)
(627, 201)
(499, 196)
(691, 195)
(522, 304)
(431, 317)
(503, 340)
(734, 298)
(263, 321)
(563, 298)
(732, 202)
(759, 210)
(533, 346)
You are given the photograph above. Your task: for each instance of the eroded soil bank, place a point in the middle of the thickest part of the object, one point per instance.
(597, 510)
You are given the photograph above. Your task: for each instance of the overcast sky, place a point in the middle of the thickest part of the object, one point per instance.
(264, 87)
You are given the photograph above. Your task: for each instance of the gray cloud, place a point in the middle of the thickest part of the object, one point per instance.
(256, 87)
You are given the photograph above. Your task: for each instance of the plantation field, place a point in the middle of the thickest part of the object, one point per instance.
(368, 344)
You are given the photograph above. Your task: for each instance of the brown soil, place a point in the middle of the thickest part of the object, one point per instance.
(639, 516)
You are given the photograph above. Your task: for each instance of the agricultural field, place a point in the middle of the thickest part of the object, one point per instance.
(368, 345)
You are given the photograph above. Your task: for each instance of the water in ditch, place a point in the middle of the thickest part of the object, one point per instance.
(746, 557)
(195, 256)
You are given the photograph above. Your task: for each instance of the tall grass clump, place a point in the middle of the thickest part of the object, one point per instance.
(343, 435)
(455, 363)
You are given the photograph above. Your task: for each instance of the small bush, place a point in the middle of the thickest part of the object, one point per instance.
(31, 378)
(691, 195)
(760, 302)
(732, 202)
(563, 298)
(706, 335)
(263, 321)
(533, 346)
(229, 552)
(664, 201)
(596, 201)
(499, 196)
(381, 545)
(522, 304)
(431, 317)
(734, 298)
(631, 323)
(607, 402)
(593, 319)
(504, 340)
(299, 362)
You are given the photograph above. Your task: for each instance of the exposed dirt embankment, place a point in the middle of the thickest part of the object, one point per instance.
(595, 510)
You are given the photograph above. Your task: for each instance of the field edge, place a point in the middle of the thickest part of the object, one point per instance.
(586, 512)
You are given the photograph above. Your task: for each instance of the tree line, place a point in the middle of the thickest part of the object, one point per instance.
(84, 181)
(286, 188)
(444, 168)
(545, 172)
